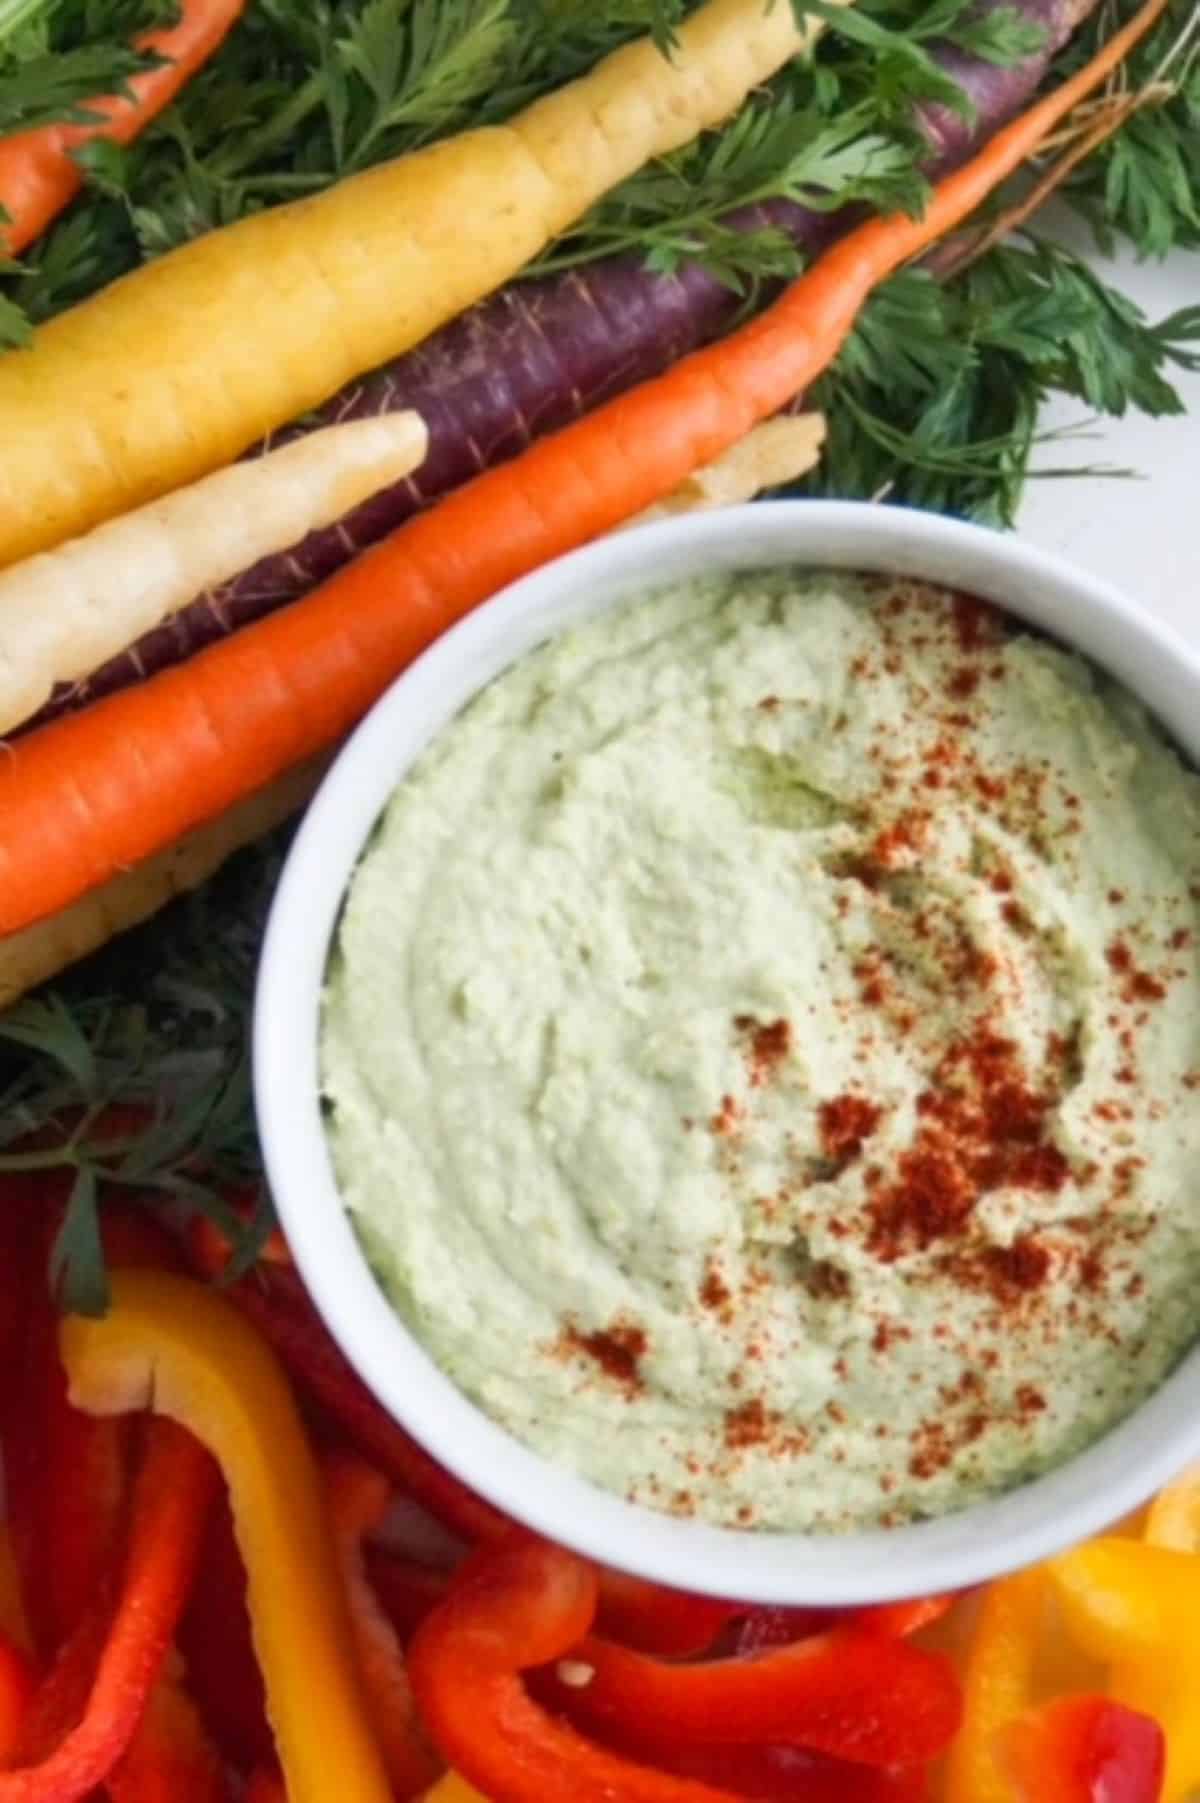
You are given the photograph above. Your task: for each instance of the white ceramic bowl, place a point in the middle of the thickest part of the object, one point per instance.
(1079, 1498)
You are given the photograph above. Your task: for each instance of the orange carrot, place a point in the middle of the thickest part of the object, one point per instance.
(107, 787)
(39, 176)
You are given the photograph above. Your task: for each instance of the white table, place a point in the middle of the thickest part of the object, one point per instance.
(1142, 534)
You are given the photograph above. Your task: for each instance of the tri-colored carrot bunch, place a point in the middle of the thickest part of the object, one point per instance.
(152, 763)
(111, 803)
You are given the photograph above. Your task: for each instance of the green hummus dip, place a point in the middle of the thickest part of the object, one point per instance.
(763, 1052)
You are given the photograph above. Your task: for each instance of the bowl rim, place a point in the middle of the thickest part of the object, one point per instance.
(1108, 1480)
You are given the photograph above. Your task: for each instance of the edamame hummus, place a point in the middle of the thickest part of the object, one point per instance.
(763, 1051)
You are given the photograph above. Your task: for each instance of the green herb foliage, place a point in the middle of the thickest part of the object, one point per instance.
(133, 1072)
(1144, 183)
(935, 400)
(56, 55)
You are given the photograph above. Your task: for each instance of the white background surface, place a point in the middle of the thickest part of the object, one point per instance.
(1143, 534)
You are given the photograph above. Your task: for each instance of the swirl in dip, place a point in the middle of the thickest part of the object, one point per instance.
(763, 1051)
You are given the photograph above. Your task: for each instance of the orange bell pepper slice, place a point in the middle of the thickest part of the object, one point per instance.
(1135, 1607)
(1084, 1749)
(170, 1345)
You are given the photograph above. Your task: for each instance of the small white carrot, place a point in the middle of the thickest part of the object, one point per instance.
(65, 612)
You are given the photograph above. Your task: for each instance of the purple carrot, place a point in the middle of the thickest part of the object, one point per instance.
(536, 355)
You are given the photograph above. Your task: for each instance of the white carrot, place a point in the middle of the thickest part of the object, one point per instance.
(65, 612)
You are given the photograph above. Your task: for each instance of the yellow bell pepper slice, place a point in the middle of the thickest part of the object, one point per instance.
(1135, 1606)
(176, 1347)
(453, 1789)
(1174, 1517)
(998, 1685)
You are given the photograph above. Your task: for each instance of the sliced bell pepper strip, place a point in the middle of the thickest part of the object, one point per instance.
(173, 1491)
(512, 1607)
(672, 1623)
(214, 1638)
(762, 1627)
(406, 1591)
(265, 1787)
(19, 1215)
(14, 1624)
(867, 1698)
(274, 1299)
(170, 1759)
(88, 1477)
(358, 1498)
(453, 1789)
(1174, 1515)
(768, 1773)
(904, 1618)
(999, 1686)
(1084, 1749)
(1135, 1607)
(17, 1687)
(62, 1694)
(172, 1345)
(69, 1474)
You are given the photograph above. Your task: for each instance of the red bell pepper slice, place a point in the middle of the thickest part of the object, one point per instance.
(758, 1629)
(17, 1686)
(771, 1774)
(903, 1618)
(174, 1489)
(265, 1787)
(358, 1498)
(66, 1475)
(1084, 1749)
(215, 1640)
(406, 1591)
(789, 1775)
(20, 1210)
(274, 1299)
(867, 1698)
(513, 1607)
(170, 1759)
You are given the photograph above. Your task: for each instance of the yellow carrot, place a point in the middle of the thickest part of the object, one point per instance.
(177, 368)
(30, 957)
(65, 612)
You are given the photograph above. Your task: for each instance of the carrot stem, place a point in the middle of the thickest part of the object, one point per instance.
(90, 794)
